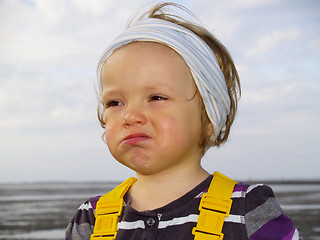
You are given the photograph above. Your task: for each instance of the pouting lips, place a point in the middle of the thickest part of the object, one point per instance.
(135, 138)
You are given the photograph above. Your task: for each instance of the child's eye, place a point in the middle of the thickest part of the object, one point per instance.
(113, 103)
(158, 98)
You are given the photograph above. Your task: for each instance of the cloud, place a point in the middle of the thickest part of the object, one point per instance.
(315, 44)
(48, 55)
(247, 4)
(275, 39)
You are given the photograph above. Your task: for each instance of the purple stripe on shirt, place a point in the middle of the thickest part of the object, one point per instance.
(290, 235)
(278, 228)
(94, 201)
(240, 187)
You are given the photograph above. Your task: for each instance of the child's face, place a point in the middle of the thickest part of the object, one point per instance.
(152, 115)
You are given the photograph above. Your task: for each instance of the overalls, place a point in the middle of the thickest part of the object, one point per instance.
(214, 207)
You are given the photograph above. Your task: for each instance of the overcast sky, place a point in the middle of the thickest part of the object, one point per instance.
(48, 55)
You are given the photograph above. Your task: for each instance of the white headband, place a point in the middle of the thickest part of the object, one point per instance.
(202, 62)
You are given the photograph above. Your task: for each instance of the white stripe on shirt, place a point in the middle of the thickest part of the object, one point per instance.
(179, 221)
(250, 188)
(131, 225)
(192, 218)
(85, 206)
(235, 219)
(237, 194)
(295, 235)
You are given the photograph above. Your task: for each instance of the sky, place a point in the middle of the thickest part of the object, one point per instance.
(48, 55)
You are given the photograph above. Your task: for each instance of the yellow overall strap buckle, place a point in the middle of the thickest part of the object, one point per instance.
(214, 207)
(108, 211)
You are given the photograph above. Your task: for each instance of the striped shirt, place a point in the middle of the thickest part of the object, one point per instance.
(254, 214)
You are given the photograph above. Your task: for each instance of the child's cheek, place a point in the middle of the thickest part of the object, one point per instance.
(108, 133)
(172, 130)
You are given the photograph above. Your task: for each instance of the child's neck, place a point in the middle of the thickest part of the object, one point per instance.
(155, 191)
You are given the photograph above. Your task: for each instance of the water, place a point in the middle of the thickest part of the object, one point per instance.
(43, 210)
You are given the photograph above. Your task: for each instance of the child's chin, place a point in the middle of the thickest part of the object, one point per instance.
(140, 166)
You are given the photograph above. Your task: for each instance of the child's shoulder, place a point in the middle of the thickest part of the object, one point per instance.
(82, 224)
(261, 212)
(254, 197)
(91, 203)
(85, 213)
(246, 190)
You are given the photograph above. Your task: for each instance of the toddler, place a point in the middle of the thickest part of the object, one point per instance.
(169, 91)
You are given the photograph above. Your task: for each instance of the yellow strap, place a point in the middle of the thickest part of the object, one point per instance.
(108, 211)
(214, 207)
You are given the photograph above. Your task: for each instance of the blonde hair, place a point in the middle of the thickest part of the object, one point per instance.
(226, 64)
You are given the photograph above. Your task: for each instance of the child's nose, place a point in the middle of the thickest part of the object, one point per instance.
(134, 117)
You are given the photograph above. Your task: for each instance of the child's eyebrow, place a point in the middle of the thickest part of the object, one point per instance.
(157, 87)
(152, 88)
(107, 93)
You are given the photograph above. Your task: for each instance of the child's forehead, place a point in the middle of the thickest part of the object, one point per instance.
(151, 56)
(149, 86)
(146, 65)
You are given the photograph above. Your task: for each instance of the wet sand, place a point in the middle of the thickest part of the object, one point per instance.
(43, 210)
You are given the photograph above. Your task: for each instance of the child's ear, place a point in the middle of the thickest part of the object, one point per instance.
(210, 129)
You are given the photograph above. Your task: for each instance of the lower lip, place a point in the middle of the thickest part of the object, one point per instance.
(135, 140)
